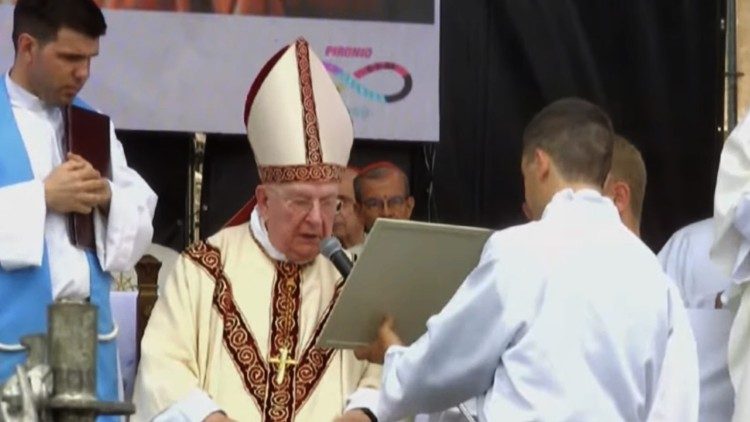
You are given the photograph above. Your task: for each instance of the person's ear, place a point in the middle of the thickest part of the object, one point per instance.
(409, 206)
(620, 192)
(26, 47)
(542, 165)
(261, 194)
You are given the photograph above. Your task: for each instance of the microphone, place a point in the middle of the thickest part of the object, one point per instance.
(331, 248)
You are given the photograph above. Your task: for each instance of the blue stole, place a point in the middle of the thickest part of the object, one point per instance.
(25, 293)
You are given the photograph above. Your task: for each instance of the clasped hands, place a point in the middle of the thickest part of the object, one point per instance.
(75, 186)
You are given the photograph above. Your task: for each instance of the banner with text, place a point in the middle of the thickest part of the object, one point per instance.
(186, 65)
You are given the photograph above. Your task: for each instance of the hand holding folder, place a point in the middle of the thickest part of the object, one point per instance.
(87, 135)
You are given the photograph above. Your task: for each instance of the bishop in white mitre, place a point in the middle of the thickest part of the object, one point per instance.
(233, 334)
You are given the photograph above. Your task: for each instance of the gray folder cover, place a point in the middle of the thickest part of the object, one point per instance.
(407, 269)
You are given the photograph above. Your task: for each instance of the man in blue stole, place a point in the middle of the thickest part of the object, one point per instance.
(55, 41)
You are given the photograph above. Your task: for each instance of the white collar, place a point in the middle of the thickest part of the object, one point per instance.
(20, 97)
(260, 234)
(583, 199)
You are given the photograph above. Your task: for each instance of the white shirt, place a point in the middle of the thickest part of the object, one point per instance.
(121, 238)
(730, 252)
(685, 258)
(731, 246)
(565, 319)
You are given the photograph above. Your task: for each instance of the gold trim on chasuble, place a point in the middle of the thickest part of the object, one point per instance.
(278, 402)
(314, 170)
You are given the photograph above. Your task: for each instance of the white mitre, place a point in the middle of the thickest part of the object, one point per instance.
(297, 124)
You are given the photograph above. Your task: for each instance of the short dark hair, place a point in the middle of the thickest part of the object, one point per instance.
(628, 166)
(578, 137)
(378, 171)
(42, 19)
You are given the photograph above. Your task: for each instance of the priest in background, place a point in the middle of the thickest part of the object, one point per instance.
(40, 186)
(382, 190)
(567, 318)
(233, 334)
(685, 258)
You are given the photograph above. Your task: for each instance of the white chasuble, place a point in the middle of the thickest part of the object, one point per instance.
(241, 327)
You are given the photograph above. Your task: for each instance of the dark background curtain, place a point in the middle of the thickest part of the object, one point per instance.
(162, 159)
(655, 66)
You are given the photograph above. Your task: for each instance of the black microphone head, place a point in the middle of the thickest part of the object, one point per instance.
(329, 246)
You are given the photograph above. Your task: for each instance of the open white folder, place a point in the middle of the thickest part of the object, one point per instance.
(407, 269)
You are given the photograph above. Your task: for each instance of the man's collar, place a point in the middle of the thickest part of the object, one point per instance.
(259, 232)
(20, 97)
(568, 197)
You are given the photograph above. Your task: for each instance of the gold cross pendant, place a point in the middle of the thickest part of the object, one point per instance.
(282, 362)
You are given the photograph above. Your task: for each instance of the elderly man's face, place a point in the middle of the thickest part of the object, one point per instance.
(298, 216)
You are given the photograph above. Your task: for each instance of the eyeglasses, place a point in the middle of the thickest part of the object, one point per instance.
(379, 203)
(303, 206)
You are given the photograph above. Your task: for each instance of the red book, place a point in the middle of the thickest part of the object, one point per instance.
(87, 134)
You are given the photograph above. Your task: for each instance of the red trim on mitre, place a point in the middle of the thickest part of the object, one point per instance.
(313, 148)
(314, 173)
(243, 215)
(259, 79)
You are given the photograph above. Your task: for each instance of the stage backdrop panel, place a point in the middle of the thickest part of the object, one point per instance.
(163, 68)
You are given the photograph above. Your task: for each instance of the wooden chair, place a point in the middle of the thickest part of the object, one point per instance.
(148, 274)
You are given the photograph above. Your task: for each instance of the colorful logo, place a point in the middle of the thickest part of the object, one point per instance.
(354, 81)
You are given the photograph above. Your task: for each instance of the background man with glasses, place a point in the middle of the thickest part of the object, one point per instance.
(382, 190)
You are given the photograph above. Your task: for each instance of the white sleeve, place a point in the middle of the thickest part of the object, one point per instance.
(169, 372)
(678, 389)
(363, 397)
(124, 235)
(195, 407)
(423, 378)
(741, 223)
(730, 248)
(672, 258)
(738, 356)
(23, 209)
